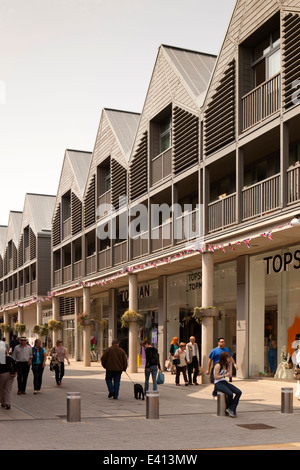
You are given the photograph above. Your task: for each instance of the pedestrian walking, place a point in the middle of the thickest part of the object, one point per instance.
(38, 365)
(114, 360)
(297, 394)
(23, 356)
(192, 359)
(221, 371)
(214, 357)
(181, 367)
(152, 364)
(14, 342)
(173, 348)
(59, 354)
(8, 372)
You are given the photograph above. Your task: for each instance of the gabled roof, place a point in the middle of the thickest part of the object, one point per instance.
(80, 163)
(179, 76)
(38, 212)
(3, 230)
(195, 68)
(247, 17)
(13, 228)
(124, 125)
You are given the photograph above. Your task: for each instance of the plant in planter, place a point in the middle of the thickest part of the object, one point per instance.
(131, 316)
(82, 320)
(36, 329)
(103, 324)
(5, 327)
(55, 325)
(43, 330)
(200, 312)
(20, 327)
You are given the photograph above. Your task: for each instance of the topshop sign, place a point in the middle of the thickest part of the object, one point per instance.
(281, 262)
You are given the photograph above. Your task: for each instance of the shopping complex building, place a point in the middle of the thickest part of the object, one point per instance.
(192, 203)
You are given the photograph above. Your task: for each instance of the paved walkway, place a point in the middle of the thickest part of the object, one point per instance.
(38, 422)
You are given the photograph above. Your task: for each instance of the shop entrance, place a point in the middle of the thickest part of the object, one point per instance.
(189, 327)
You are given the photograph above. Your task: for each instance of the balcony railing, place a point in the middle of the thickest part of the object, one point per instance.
(120, 252)
(187, 226)
(161, 166)
(66, 228)
(262, 197)
(261, 102)
(162, 236)
(222, 213)
(293, 184)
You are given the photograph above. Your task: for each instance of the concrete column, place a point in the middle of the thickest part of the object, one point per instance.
(20, 315)
(112, 316)
(133, 327)
(39, 314)
(162, 319)
(207, 301)
(242, 321)
(87, 328)
(55, 313)
(76, 339)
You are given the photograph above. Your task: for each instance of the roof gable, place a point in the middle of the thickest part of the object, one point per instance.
(38, 212)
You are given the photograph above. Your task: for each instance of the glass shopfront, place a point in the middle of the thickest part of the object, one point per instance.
(99, 327)
(185, 293)
(147, 306)
(274, 312)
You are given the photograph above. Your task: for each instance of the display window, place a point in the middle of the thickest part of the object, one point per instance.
(274, 313)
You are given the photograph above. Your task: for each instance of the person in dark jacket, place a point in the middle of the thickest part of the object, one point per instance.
(152, 363)
(38, 365)
(8, 372)
(114, 360)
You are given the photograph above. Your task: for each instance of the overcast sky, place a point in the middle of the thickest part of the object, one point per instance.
(63, 61)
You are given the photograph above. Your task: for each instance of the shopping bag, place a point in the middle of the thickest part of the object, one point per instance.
(160, 378)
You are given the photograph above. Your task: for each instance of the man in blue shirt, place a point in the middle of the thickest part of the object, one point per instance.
(215, 356)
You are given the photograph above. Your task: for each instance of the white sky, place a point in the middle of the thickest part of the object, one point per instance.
(63, 61)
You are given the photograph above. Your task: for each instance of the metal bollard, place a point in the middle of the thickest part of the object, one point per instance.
(221, 404)
(73, 407)
(152, 405)
(286, 400)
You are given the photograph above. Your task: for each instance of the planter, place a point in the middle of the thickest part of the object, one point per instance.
(20, 327)
(131, 316)
(55, 325)
(204, 312)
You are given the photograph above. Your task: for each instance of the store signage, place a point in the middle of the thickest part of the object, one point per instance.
(143, 291)
(279, 263)
(195, 280)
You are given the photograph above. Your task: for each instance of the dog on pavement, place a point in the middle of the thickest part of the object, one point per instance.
(138, 391)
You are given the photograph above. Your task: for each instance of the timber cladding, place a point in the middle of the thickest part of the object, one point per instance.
(290, 57)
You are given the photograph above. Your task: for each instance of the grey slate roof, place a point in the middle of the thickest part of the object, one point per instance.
(124, 124)
(80, 162)
(41, 210)
(195, 68)
(3, 230)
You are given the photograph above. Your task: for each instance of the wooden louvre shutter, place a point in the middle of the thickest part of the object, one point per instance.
(66, 306)
(5, 262)
(32, 244)
(185, 139)
(20, 252)
(76, 213)
(219, 120)
(56, 230)
(290, 57)
(90, 204)
(118, 183)
(138, 175)
(14, 256)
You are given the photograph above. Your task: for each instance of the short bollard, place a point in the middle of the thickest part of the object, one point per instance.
(152, 405)
(221, 404)
(73, 407)
(286, 400)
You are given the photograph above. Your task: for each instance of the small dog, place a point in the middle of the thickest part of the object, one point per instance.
(138, 391)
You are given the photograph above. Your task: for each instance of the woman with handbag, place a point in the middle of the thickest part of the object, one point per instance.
(180, 363)
(173, 348)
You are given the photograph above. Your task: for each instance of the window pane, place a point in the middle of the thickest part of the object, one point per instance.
(165, 142)
(274, 64)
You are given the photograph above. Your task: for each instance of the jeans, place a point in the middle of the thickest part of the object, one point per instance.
(37, 370)
(229, 390)
(59, 372)
(113, 379)
(153, 371)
